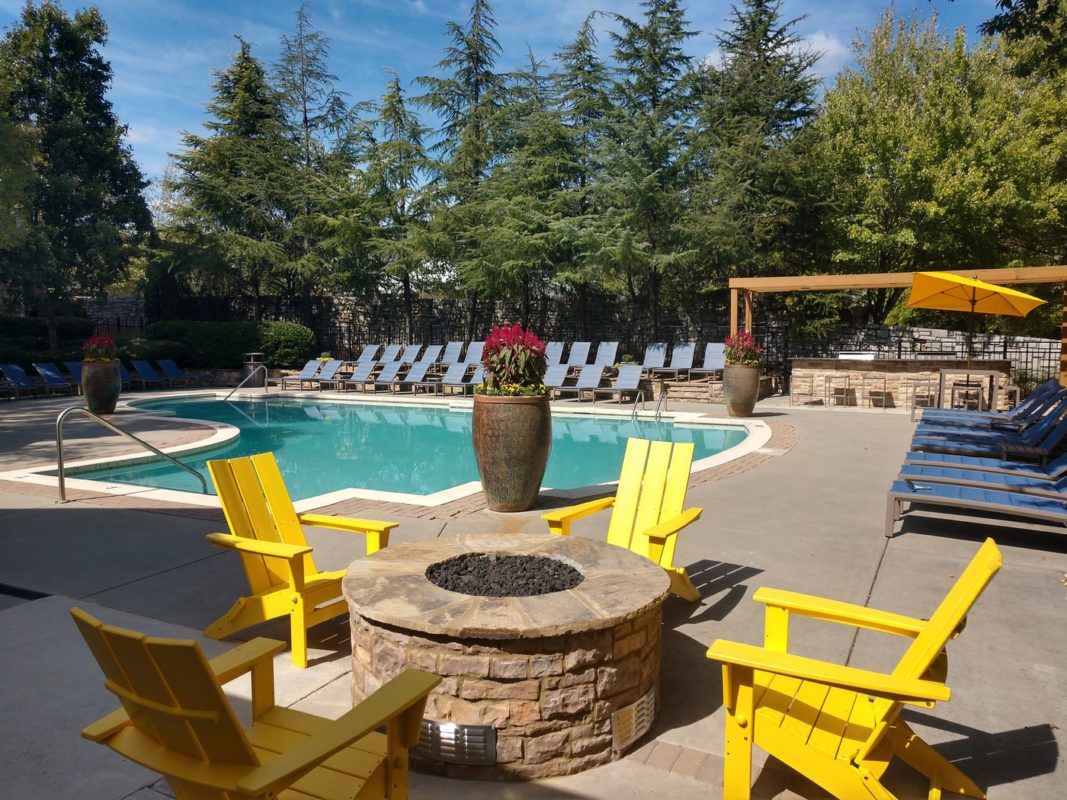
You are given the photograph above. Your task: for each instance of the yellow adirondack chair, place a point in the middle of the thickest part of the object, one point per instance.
(647, 507)
(176, 720)
(838, 725)
(265, 530)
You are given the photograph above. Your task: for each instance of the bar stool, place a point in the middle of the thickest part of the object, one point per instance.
(923, 394)
(967, 395)
(874, 390)
(801, 387)
(837, 390)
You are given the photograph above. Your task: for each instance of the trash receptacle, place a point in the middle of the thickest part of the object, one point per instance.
(252, 362)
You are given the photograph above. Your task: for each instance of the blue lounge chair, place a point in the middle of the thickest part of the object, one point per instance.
(955, 498)
(714, 361)
(466, 385)
(126, 379)
(655, 356)
(1053, 404)
(368, 353)
(327, 376)
(554, 353)
(454, 377)
(386, 377)
(681, 361)
(554, 378)
(308, 373)
(360, 377)
(413, 380)
(605, 354)
(430, 354)
(17, 382)
(410, 354)
(53, 378)
(1027, 484)
(976, 463)
(452, 353)
(145, 373)
(1030, 436)
(474, 353)
(391, 353)
(628, 381)
(1031, 445)
(173, 373)
(1036, 399)
(578, 356)
(589, 378)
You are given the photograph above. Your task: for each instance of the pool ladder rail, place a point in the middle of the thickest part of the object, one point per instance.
(66, 412)
(248, 377)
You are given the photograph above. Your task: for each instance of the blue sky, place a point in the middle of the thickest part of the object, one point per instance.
(163, 52)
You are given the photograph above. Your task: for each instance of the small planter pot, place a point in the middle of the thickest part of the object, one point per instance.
(740, 385)
(512, 439)
(101, 386)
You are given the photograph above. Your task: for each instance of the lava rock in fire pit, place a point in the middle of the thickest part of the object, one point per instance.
(493, 575)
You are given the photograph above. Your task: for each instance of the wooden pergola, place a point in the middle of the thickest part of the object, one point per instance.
(742, 289)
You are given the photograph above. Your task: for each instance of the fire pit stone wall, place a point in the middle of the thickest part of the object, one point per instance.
(546, 672)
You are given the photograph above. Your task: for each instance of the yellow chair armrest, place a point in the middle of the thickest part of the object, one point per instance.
(347, 523)
(236, 662)
(376, 531)
(408, 689)
(670, 527)
(107, 726)
(559, 521)
(807, 605)
(904, 690)
(246, 545)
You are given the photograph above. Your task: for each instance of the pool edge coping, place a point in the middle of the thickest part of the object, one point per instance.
(759, 434)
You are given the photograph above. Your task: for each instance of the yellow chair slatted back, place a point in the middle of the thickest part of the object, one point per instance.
(167, 688)
(257, 506)
(925, 658)
(652, 488)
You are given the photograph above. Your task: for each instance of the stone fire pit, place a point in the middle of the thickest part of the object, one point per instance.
(548, 673)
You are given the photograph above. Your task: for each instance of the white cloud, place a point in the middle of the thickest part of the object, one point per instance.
(141, 134)
(833, 53)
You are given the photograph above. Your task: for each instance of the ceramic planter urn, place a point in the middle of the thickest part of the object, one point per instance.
(740, 385)
(512, 439)
(101, 385)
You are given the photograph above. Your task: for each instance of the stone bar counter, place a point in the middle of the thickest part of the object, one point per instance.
(893, 382)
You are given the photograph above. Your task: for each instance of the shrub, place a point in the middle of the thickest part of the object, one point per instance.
(155, 349)
(222, 345)
(285, 344)
(12, 325)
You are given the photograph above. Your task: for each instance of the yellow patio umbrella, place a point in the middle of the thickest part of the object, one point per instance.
(946, 291)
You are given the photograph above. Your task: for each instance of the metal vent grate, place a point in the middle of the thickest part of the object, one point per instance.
(472, 745)
(632, 722)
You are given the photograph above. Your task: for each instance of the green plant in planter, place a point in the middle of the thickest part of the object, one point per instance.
(741, 348)
(514, 362)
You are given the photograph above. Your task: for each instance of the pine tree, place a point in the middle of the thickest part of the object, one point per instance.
(397, 164)
(643, 186)
(235, 183)
(85, 213)
(320, 122)
(581, 87)
(467, 101)
(755, 204)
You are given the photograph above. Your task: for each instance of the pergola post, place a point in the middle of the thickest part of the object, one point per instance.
(1063, 341)
(748, 310)
(733, 312)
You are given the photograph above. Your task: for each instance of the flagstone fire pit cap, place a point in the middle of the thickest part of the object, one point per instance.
(391, 587)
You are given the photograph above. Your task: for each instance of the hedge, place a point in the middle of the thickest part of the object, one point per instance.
(222, 345)
(12, 325)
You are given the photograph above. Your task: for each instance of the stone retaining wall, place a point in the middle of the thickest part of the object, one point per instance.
(550, 699)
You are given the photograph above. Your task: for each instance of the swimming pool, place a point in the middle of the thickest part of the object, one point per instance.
(324, 446)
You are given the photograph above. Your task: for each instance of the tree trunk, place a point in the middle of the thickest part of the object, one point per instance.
(409, 314)
(472, 304)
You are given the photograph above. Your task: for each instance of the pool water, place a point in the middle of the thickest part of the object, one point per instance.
(323, 447)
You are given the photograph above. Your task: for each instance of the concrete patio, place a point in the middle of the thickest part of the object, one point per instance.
(804, 514)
